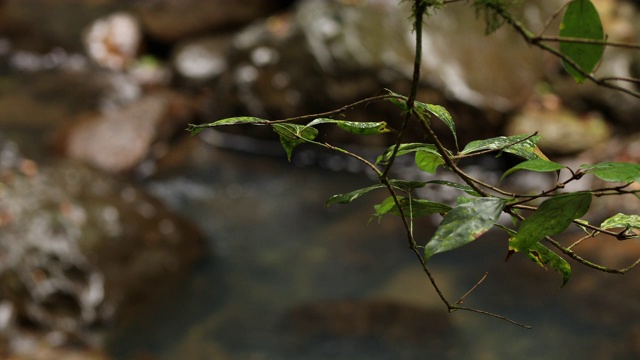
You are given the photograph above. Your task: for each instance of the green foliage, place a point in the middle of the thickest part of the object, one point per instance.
(551, 218)
(537, 165)
(581, 20)
(614, 171)
(412, 208)
(520, 145)
(464, 224)
(479, 211)
(426, 110)
(428, 161)
(542, 256)
(292, 135)
(623, 221)
(358, 128)
(407, 148)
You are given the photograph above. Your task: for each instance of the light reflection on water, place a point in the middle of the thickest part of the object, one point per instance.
(275, 247)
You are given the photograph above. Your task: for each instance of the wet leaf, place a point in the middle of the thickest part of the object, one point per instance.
(400, 103)
(464, 224)
(581, 20)
(614, 171)
(406, 148)
(407, 185)
(465, 188)
(292, 135)
(412, 209)
(439, 112)
(428, 161)
(194, 129)
(537, 165)
(622, 221)
(427, 110)
(552, 217)
(359, 128)
(346, 198)
(526, 149)
(542, 255)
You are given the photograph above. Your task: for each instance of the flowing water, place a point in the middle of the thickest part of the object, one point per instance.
(275, 248)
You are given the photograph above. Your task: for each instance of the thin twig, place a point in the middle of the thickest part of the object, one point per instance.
(491, 314)
(551, 18)
(530, 38)
(574, 40)
(577, 242)
(461, 300)
(621, 78)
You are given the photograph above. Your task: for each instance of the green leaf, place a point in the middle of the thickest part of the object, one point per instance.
(622, 221)
(581, 20)
(466, 188)
(552, 217)
(359, 128)
(428, 161)
(406, 148)
(614, 171)
(439, 112)
(400, 103)
(237, 120)
(351, 196)
(407, 185)
(463, 224)
(194, 129)
(292, 135)
(526, 149)
(410, 185)
(414, 209)
(537, 165)
(426, 110)
(384, 207)
(541, 255)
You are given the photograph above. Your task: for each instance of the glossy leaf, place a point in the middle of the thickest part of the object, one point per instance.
(537, 165)
(414, 209)
(614, 171)
(194, 129)
(428, 161)
(542, 255)
(410, 185)
(465, 188)
(526, 149)
(292, 135)
(463, 224)
(427, 110)
(622, 221)
(351, 196)
(581, 20)
(407, 185)
(400, 101)
(406, 148)
(439, 112)
(552, 217)
(354, 127)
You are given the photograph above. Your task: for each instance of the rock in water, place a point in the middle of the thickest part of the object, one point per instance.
(79, 248)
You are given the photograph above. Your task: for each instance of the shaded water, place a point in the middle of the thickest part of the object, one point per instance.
(274, 247)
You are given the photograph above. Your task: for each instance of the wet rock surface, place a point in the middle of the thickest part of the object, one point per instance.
(80, 249)
(169, 20)
(121, 139)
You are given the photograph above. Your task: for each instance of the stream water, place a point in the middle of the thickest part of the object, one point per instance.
(275, 248)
